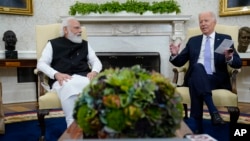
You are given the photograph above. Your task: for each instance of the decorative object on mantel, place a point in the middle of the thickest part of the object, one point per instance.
(243, 39)
(129, 103)
(130, 6)
(9, 37)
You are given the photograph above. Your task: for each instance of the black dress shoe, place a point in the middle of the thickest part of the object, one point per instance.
(216, 119)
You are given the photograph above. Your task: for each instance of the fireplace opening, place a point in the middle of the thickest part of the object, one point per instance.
(148, 60)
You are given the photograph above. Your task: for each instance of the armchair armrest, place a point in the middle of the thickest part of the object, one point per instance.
(42, 82)
(178, 70)
(232, 72)
(233, 75)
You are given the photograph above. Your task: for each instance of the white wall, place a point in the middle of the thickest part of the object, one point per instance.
(49, 11)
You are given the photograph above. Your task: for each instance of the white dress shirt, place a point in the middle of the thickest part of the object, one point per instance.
(202, 54)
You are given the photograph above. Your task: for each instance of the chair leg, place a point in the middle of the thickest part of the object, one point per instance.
(2, 124)
(234, 114)
(41, 119)
(185, 110)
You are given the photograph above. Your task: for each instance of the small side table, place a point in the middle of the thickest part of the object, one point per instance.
(5, 63)
(19, 63)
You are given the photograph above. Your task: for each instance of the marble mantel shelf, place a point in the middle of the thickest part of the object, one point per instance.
(140, 18)
(177, 21)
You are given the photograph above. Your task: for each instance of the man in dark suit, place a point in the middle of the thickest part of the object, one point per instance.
(202, 80)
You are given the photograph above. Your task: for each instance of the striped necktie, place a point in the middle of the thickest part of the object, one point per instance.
(207, 56)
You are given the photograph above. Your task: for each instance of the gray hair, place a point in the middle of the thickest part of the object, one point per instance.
(65, 23)
(211, 13)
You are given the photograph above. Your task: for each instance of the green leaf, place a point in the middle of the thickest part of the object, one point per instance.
(133, 6)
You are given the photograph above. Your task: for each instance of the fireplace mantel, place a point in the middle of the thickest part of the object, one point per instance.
(146, 34)
(140, 18)
(176, 21)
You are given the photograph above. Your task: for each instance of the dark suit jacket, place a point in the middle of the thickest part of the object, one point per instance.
(192, 51)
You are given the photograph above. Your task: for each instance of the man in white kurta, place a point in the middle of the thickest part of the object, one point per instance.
(70, 63)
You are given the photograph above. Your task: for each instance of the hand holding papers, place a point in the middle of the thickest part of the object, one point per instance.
(226, 43)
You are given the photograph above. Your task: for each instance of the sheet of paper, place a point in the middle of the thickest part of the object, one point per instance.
(200, 137)
(226, 43)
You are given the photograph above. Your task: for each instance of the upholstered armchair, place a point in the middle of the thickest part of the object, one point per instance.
(221, 97)
(47, 100)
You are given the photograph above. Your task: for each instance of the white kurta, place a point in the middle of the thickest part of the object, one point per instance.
(77, 83)
(72, 87)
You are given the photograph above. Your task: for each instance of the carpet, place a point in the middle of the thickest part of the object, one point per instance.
(225, 132)
(30, 131)
(24, 127)
(243, 118)
(30, 115)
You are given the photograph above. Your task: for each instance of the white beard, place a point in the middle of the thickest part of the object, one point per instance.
(74, 38)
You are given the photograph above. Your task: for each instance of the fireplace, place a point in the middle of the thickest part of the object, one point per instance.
(122, 41)
(148, 60)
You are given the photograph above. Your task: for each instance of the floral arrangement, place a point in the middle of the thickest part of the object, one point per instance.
(129, 102)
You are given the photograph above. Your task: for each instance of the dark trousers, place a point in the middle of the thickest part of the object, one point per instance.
(200, 86)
